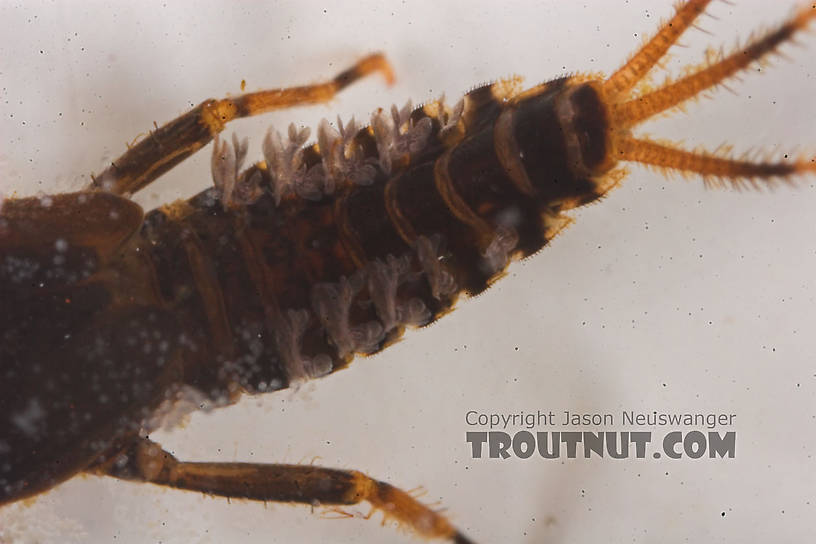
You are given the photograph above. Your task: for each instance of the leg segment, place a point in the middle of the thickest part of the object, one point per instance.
(622, 81)
(173, 142)
(304, 484)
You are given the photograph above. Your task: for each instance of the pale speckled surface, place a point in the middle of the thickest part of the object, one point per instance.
(665, 296)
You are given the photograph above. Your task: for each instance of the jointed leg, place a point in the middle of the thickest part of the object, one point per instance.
(305, 484)
(178, 139)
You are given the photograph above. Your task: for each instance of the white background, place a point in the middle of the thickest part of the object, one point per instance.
(665, 296)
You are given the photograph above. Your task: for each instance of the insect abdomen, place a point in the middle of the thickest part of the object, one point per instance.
(315, 268)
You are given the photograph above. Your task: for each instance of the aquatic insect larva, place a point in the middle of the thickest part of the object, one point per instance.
(341, 289)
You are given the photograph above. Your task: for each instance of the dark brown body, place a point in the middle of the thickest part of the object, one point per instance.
(196, 293)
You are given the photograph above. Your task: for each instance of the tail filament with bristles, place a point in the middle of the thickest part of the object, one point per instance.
(627, 111)
(639, 65)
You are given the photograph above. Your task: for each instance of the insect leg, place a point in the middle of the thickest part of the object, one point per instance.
(716, 171)
(637, 110)
(173, 142)
(622, 81)
(146, 461)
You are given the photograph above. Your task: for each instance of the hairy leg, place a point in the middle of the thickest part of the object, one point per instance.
(176, 140)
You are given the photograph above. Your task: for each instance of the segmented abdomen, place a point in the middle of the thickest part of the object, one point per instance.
(284, 271)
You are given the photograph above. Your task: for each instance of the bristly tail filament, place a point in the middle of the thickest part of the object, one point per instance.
(627, 111)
